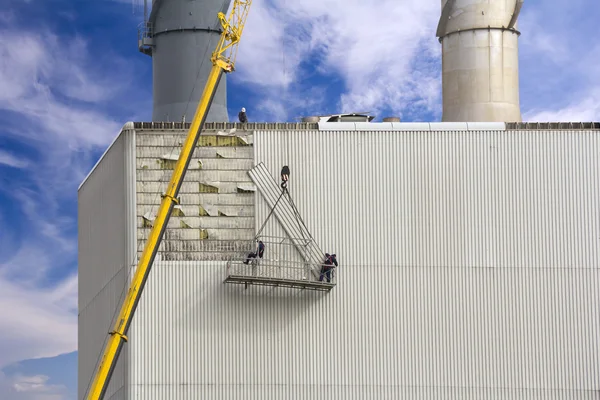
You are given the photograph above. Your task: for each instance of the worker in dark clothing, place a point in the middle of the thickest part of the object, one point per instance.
(259, 253)
(242, 116)
(285, 175)
(328, 266)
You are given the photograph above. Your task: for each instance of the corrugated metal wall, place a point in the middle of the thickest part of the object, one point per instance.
(469, 269)
(508, 198)
(106, 210)
(469, 259)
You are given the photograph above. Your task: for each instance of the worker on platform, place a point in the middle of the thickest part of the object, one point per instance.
(258, 253)
(328, 266)
(242, 116)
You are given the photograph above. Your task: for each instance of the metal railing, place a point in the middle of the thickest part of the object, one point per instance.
(281, 261)
(144, 30)
(145, 41)
(216, 126)
(261, 269)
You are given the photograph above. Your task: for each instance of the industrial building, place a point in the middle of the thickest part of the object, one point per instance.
(468, 253)
(469, 263)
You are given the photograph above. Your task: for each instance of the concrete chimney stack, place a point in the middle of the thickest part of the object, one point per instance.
(480, 63)
(181, 36)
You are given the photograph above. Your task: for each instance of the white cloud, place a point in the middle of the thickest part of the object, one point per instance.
(541, 40)
(586, 109)
(37, 322)
(10, 160)
(36, 387)
(383, 56)
(374, 48)
(55, 94)
(39, 69)
(37, 384)
(558, 75)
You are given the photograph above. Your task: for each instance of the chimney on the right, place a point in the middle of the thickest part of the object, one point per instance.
(480, 60)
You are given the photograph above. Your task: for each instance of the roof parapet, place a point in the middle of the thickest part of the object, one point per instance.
(412, 126)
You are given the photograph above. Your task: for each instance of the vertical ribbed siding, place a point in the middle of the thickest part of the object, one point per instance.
(477, 249)
(105, 238)
(445, 198)
(469, 269)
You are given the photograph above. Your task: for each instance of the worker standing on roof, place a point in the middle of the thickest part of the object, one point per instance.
(258, 253)
(285, 175)
(242, 116)
(328, 266)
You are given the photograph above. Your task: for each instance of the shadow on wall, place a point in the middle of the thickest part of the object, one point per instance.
(233, 308)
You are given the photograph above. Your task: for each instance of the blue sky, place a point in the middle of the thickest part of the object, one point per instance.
(71, 76)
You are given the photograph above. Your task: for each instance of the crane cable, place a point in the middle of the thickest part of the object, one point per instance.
(271, 213)
(301, 224)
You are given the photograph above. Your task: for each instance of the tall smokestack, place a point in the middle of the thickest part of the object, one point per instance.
(480, 60)
(181, 35)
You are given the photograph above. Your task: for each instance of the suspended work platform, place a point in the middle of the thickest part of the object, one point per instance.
(278, 267)
(295, 261)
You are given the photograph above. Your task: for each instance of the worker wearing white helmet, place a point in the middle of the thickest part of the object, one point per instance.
(242, 116)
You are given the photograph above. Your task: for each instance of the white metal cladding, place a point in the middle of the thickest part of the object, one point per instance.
(106, 218)
(445, 288)
(469, 260)
(418, 332)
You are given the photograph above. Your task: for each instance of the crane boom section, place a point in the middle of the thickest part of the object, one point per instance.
(226, 51)
(223, 60)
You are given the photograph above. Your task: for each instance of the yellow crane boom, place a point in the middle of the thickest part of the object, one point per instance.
(223, 60)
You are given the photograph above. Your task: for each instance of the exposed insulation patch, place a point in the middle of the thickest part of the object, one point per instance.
(227, 214)
(168, 161)
(183, 225)
(178, 211)
(224, 140)
(167, 164)
(208, 210)
(231, 141)
(243, 140)
(148, 220)
(206, 187)
(206, 141)
(246, 188)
